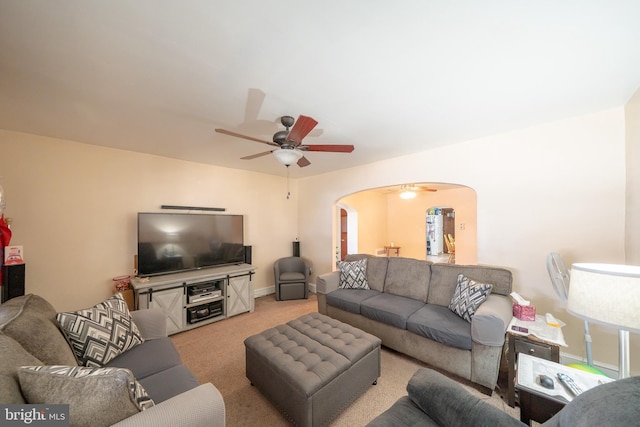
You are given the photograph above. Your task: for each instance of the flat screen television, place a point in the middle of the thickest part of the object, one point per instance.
(175, 242)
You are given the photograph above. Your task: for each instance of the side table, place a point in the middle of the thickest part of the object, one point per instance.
(532, 346)
(538, 403)
(537, 407)
(389, 249)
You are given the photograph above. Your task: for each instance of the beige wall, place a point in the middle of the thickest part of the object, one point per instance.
(632, 115)
(555, 187)
(74, 208)
(407, 222)
(371, 210)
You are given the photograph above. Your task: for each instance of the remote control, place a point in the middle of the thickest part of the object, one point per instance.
(570, 384)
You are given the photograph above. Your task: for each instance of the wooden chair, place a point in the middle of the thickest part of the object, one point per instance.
(447, 244)
(451, 248)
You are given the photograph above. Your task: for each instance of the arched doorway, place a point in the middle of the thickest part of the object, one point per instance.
(383, 217)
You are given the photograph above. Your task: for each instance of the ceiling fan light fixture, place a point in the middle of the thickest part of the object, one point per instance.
(408, 192)
(289, 142)
(287, 156)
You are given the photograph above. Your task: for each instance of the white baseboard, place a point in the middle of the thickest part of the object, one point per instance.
(263, 292)
(610, 370)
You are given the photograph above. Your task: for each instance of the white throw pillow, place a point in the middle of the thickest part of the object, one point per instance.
(353, 274)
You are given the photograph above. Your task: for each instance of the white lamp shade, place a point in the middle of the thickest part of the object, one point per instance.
(608, 294)
(287, 156)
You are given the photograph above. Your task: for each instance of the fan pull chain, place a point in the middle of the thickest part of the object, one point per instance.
(288, 192)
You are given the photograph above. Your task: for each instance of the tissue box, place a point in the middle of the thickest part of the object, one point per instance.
(524, 312)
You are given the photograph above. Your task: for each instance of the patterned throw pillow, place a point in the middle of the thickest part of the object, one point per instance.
(353, 274)
(96, 396)
(100, 333)
(468, 296)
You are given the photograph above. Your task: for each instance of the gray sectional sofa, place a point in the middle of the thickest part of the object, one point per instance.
(435, 400)
(30, 336)
(407, 307)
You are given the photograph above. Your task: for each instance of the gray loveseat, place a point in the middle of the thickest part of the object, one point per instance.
(407, 307)
(434, 400)
(30, 336)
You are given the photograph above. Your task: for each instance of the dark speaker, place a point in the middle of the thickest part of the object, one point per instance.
(12, 281)
(247, 254)
(296, 248)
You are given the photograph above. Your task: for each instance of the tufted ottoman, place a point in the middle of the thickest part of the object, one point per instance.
(312, 367)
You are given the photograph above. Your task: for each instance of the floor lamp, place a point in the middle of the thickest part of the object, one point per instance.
(608, 294)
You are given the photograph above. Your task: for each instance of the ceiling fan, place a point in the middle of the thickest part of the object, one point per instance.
(289, 142)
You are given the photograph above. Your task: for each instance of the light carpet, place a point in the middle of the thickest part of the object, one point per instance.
(215, 353)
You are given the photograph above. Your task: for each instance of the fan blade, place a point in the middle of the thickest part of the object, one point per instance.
(301, 128)
(328, 148)
(255, 156)
(250, 138)
(303, 162)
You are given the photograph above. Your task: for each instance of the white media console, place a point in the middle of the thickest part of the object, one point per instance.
(195, 298)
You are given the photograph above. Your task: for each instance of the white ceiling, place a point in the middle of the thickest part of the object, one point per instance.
(391, 78)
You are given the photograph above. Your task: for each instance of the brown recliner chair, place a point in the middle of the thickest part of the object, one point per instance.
(291, 278)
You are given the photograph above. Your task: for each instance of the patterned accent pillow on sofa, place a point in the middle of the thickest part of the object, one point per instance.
(468, 296)
(100, 333)
(96, 396)
(353, 274)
